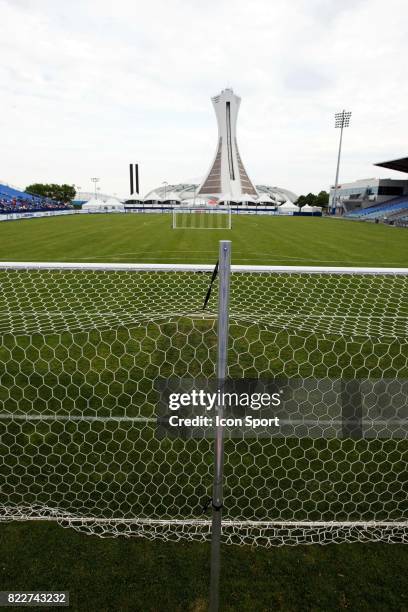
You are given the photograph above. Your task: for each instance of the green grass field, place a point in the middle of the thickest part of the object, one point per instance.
(75, 361)
(256, 240)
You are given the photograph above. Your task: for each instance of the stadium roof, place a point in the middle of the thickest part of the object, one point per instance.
(395, 164)
(265, 197)
(186, 192)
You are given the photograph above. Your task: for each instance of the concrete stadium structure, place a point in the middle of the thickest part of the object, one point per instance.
(365, 193)
(227, 180)
(186, 191)
(227, 174)
(375, 199)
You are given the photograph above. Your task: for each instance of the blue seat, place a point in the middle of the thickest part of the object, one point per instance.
(380, 210)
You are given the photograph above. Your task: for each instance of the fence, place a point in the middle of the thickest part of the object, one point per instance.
(235, 210)
(84, 441)
(145, 209)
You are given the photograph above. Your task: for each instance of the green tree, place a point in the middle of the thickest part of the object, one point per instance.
(62, 193)
(321, 199)
(301, 201)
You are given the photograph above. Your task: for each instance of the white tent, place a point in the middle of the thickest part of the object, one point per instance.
(172, 197)
(153, 197)
(135, 198)
(245, 198)
(310, 209)
(114, 204)
(288, 208)
(265, 199)
(111, 205)
(93, 202)
(226, 198)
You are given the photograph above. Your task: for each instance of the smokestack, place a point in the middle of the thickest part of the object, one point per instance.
(137, 177)
(131, 179)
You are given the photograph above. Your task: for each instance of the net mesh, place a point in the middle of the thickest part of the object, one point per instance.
(81, 350)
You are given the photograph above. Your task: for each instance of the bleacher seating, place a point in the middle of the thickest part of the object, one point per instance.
(378, 211)
(400, 220)
(13, 200)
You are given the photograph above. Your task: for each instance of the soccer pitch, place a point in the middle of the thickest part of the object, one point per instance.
(256, 240)
(81, 364)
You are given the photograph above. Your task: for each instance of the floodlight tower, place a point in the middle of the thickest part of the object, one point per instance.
(341, 120)
(95, 180)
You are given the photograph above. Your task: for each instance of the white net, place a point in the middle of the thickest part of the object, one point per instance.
(202, 217)
(82, 347)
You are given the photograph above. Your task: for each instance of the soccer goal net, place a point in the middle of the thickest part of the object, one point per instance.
(83, 439)
(202, 217)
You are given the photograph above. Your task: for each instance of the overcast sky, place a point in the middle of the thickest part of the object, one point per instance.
(88, 86)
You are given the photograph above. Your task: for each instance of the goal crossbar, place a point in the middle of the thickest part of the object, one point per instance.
(163, 267)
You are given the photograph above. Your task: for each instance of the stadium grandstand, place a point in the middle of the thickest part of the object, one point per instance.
(390, 211)
(375, 199)
(17, 201)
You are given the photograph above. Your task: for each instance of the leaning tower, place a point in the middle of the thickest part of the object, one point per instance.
(227, 174)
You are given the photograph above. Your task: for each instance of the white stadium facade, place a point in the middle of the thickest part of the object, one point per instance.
(185, 193)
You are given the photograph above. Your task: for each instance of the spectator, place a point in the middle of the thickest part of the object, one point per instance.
(21, 205)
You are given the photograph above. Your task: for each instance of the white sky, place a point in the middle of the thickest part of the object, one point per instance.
(88, 86)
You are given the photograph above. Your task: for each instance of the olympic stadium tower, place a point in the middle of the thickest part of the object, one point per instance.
(227, 174)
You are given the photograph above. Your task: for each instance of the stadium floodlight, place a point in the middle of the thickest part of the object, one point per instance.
(341, 121)
(95, 180)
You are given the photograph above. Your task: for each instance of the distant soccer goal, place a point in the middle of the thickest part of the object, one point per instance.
(202, 217)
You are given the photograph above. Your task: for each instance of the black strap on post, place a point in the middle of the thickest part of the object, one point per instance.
(214, 276)
(209, 502)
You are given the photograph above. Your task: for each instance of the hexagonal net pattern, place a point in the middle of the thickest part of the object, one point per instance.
(82, 346)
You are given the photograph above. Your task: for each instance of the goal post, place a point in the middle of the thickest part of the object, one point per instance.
(202, 217)
(224, 271)
(82, 440)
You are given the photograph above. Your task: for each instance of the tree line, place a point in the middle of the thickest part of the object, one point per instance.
(312, 199)
(63, 193)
